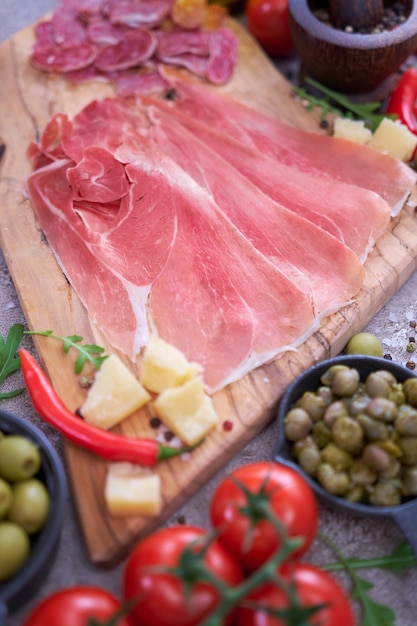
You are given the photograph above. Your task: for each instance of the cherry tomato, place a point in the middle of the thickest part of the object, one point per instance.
(290, 498)
(313, 587)
(267, 20)
(165, 600)
(76, 606)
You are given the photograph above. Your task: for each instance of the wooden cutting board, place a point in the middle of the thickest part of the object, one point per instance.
(28, 99)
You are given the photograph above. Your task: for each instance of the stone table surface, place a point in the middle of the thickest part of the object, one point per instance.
(363, 536)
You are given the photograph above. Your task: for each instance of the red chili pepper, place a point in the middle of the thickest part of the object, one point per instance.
(403, 99)
(108, 445)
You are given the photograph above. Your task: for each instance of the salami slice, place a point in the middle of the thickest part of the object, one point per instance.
(69, 30)
(104, 33)
(54, 58)
(140, 12)
(223, 56)
(178, 41)
(135, 48)
(144, 83)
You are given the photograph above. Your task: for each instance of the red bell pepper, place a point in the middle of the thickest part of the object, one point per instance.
(108, 445)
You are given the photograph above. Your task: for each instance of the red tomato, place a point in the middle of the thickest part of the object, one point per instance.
(290, 498)
(313, 587)
(164, 598)
(268, 22)
(76, 606)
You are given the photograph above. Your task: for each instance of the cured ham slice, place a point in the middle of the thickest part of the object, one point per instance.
(318, 262)
(309, 152)
(165, 263)
(215, 301)
(97, 286)
(334, 206)
(98, 177)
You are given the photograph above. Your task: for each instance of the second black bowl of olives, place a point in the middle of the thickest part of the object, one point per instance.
(349, 426)
(33, 495)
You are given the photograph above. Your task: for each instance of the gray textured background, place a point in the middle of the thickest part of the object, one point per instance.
(354, 536)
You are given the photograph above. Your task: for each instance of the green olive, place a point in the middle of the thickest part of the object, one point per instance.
(345, 383)
(348, 435)
(365, 343)
(377, 386)
(19, 458)
(30, 506)
(297, 424)
(333, 481)
(334, 411)
(385, 494)
(5, 498)
(313, 404)
(410, 391)
(14, 548)
(308, 455)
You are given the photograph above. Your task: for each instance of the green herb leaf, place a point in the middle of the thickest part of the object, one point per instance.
(87, 352)
(373, 613)
(341, 105)
(400, 559)
(9, 359)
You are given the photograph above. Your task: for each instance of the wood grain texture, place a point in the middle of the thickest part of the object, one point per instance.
(28, 98)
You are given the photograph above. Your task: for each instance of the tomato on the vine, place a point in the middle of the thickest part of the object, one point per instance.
(314, 587)
(268, 22)
(180, 598)
(241, 522)
(76, 606)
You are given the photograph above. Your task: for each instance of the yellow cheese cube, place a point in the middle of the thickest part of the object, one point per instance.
(165, 366)
(187, 410)
(394, 138)
(115, 394)
(351, 130)
(132, 491)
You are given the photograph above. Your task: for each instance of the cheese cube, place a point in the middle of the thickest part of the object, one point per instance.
(351, 130)
(115, 394)
(132, 491)
(393, 138)
(187, 410)
(165, 366)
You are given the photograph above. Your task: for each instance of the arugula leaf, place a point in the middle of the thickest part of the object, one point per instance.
(87, 352)
(369, 112)
(9, 360)
(397, 561)
(373, 613)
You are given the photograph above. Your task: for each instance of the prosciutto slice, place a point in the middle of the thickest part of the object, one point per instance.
(317, 154)
(315, 260)
(98, 287)
(334, 206)
(216, 302)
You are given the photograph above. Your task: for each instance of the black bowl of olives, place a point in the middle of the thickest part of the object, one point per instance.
(33, 494)
(349, 426)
